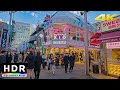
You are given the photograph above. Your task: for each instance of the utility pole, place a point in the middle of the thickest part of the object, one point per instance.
(9, 38)
(10, 31)
(86, 44)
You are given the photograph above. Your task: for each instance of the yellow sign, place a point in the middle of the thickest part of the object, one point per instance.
(114, 69)
(105, 17)
(110, 25)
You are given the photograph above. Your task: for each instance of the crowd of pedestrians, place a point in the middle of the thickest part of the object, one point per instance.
(36, 61)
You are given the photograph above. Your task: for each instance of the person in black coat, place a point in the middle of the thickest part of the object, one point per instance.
(71, 61)
(15, 58)
(57, 62)
(2, 59)
(30, 60)
(66, 61)
(8, 57)
(90, 58)
(73, 55)
(38, 62)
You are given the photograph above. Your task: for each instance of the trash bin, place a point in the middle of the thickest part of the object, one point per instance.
(95, 68)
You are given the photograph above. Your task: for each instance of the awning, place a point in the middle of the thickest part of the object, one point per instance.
(97, 35)
(95, 42)
(110, 37)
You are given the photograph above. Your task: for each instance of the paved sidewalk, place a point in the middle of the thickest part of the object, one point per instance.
(78, 73)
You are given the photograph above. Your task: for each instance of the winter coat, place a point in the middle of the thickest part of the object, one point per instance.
(8, 59)
(66, 59)
(2, 60)
(38, 61)
(71, 59)
(30, 59)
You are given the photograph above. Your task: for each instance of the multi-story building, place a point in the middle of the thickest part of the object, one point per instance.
(4, 35)
(64, 33)
(22, 34)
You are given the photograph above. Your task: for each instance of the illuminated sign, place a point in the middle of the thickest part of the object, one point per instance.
(59, 42)
(113, 45)
(59, 36)
(110, 25)
(105, 17)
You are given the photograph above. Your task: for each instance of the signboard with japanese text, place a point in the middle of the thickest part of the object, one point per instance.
(111, 24)
(113, 45)
(4, 38)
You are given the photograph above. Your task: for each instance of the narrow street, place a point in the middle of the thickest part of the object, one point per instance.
(78, 73)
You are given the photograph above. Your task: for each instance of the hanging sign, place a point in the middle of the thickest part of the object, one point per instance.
(4, 38)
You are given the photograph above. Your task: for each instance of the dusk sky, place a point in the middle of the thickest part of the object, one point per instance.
(33, 17)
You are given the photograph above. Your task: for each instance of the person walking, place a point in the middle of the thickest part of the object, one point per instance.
(90, 58)
(53, 66)
(66, 61)
(37, 66)
(25, 55)
(2, 60)
(20, 58)
(74, 57)
(30, 59)
(8, 57)
(57, 62)
(48, 63)
(15, 58)
(71, 61)
(43, 61)
(81, 58)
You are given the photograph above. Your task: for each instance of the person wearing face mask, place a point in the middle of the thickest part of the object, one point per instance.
(8, 57)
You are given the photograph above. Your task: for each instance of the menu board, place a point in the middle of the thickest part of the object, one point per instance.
(114, 69)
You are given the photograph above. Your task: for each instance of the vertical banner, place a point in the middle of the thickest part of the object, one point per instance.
(4, 39)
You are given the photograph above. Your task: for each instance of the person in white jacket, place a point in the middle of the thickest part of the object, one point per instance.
(53, 66)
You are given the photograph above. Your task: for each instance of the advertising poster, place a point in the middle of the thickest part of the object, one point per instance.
(4, 38)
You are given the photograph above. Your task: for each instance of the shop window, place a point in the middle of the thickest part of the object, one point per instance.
(116, 54)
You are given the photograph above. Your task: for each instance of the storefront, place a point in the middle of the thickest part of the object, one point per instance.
(65, 34)
(110, 47)
(113, 51)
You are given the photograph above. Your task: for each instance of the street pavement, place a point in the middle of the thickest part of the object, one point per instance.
(78, 73)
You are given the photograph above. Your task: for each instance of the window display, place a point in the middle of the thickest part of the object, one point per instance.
(114, 69)
(116, 55)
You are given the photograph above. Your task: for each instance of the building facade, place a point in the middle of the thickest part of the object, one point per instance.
(4, 35)
(110, 46)
(64, 33)
(22, 34)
